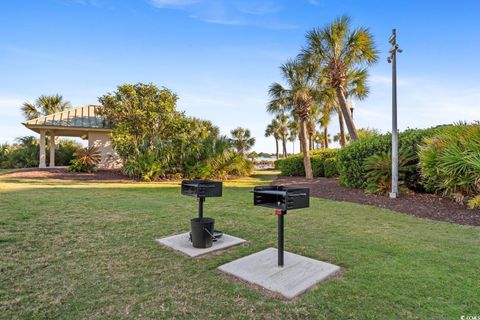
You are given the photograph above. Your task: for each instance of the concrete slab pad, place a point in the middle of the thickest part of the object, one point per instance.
(296, 276)
(181, 242)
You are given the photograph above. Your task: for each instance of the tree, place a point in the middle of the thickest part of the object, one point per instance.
(298, 97)
(272, 130)
(140, 112)
(43, 106)
(283, 131)
(242, 140)
(342, 55)
(293, 130)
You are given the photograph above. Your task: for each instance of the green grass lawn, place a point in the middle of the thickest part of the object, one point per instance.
(84, 250)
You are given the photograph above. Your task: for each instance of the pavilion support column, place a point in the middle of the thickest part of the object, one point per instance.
(52, 150)
(42, 163)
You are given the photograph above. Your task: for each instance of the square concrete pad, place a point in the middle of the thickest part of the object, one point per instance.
(181, 242)
(296, 276)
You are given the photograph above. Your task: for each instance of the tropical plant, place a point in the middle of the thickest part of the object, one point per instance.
(272, 130)
(155, 141)
(294, 166)
(378, 169)
(342, 54)
(65, 152)
(351, 159)
(241, 140)
(297, 97)
(43, 106)
(474, 203)
(86, 160)
(283, 131)
(293, 130)
(450, 161)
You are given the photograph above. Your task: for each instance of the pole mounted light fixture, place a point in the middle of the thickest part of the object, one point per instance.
(392, 58)
(351, 106)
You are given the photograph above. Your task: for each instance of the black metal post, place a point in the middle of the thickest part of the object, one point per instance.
(280, 238)
(200, 207)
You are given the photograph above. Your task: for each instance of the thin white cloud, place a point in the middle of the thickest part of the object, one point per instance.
(314, 2)
(234, 13)
(175, 4)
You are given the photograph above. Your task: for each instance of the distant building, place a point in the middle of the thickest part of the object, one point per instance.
(83, 122)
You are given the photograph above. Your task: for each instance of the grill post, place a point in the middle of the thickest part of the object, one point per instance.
(200, 207)
(280, 237)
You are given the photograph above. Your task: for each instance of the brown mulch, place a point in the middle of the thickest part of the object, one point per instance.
(61, 174)
(420, 205)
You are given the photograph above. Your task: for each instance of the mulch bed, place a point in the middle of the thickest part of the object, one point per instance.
(61, 174)
(421, 205)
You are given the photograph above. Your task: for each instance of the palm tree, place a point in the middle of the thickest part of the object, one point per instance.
(242, 140)
(282, 120)
(342, 55)
(272, 130)
(293, 132)
(298, 97)
(43, 106)
(324, 121)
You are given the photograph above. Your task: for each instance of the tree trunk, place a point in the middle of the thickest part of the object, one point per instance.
(300, 143)
(284, 146)
(342, 139)
(325, 137)
(276, 148)
(306, 152)
(346, 114)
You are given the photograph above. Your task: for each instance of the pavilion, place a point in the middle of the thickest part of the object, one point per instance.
(84, 122)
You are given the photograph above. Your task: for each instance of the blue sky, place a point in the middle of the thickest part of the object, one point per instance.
(221, 56)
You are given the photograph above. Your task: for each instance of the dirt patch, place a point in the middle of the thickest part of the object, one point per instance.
(61, 174)
(421, 205)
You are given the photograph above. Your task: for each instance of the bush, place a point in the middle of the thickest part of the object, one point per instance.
(156, 141)
(450, 161)
(293, 165)
(379, 170)
(86, 161)
(26, 151)
(65, 153)
(351, 160)
(330, 167)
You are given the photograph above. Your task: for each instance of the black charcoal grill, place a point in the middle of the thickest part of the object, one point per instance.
(202, 189)
(281, 199)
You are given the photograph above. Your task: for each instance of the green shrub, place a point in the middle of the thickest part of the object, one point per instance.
(65, 152)
(86, 161)
(330, 167)
(450, 161)
(293, 165)
(474, 203)
(379, 170)
(351, 159)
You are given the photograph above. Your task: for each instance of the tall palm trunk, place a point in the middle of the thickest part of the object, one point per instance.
(284, 146)
(300, 143)
(342, 139)
(306, 153)
(346, 114)
(325, 137)
(276, 148)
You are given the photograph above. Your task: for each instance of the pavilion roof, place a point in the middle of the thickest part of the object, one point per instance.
(86, 117)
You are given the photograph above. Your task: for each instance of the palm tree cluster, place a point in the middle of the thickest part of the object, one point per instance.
(331, 69)
(44, 105)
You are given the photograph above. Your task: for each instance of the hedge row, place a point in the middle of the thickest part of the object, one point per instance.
(351, 160)
(323, 163)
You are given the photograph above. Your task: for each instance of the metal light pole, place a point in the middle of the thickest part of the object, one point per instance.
(393, 60)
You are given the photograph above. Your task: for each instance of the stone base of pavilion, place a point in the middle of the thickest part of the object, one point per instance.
(181, 243)
(298, 274)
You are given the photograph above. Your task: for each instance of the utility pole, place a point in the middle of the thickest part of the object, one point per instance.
(393, 60)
